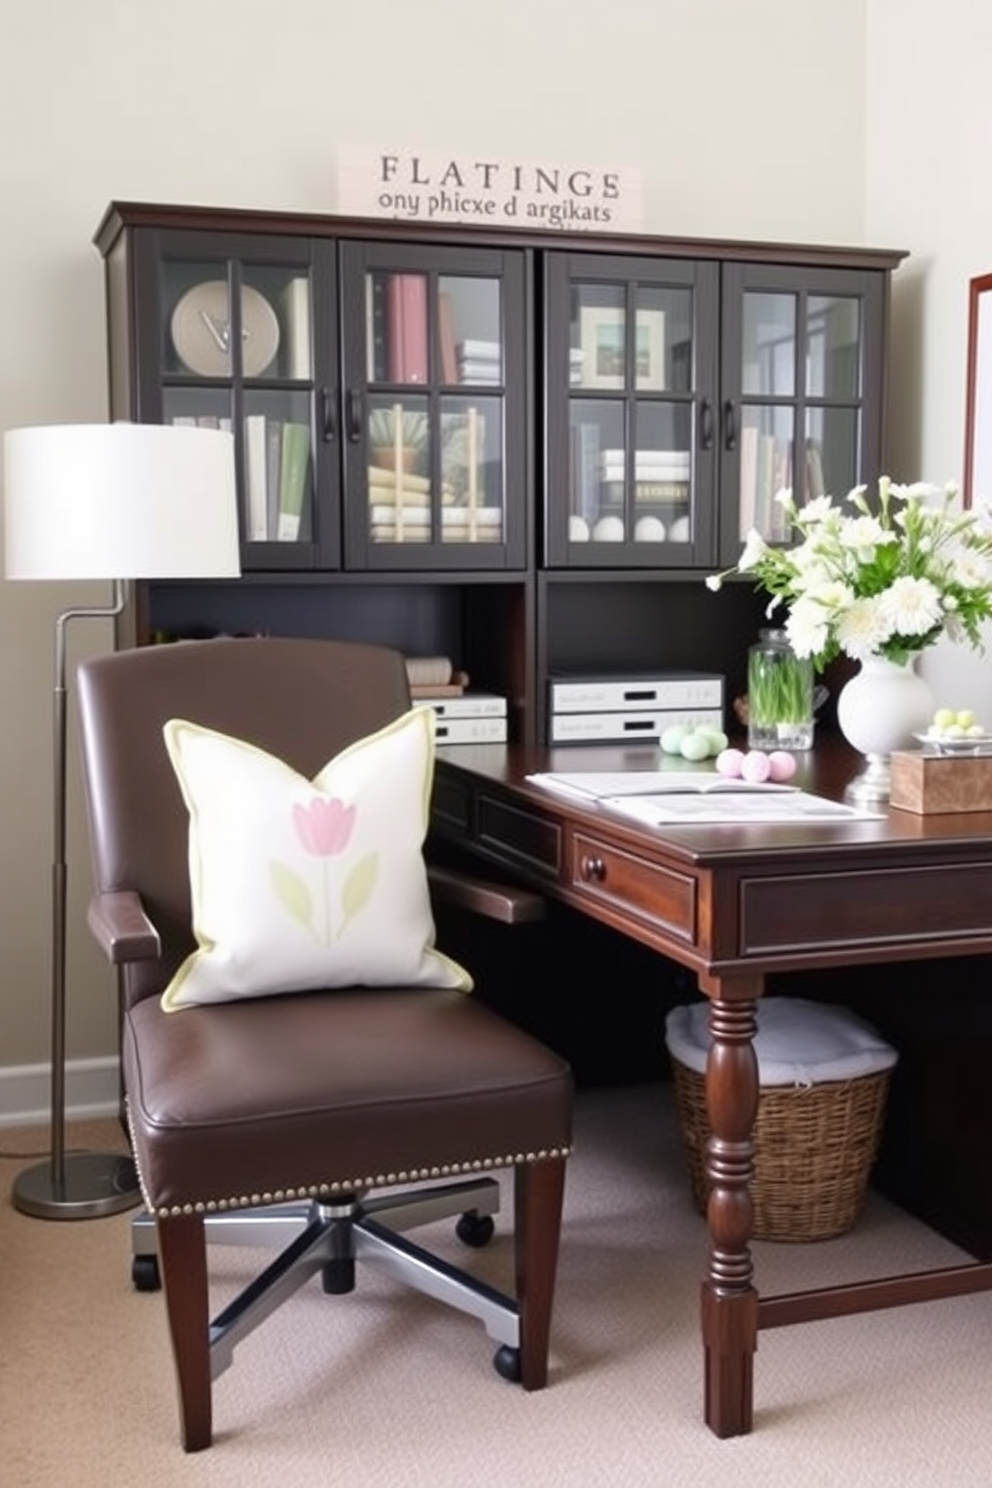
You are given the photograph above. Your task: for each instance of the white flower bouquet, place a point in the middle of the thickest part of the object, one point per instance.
(887, 578)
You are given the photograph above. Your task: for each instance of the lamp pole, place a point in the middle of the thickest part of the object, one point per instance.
(80, 1185)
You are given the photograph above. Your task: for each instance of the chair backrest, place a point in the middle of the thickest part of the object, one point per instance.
(302, 700)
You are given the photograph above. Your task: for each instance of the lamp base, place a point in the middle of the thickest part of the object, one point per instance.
(93, 1184)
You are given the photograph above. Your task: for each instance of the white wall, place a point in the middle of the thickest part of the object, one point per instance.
(928, 145)
(748, 120)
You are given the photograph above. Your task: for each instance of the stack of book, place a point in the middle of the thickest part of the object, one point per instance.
(461, 717)
(479, 361)
(400, 505)
(659, 475)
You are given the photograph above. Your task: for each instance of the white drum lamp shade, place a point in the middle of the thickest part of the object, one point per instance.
(120, 501)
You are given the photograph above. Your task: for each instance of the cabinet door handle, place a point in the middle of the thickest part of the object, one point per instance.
(706, 424)
(328, 420)
(353, 415)
(729, 425)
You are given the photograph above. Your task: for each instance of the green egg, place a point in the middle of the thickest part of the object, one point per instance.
(671, 738)
(695, 745)
(718, 739)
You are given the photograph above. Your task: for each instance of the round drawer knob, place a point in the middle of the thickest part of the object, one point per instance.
(591, 870)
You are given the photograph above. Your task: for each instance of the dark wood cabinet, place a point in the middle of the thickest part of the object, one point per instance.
(521, 450)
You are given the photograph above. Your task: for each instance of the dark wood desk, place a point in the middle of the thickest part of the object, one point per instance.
(735, 904)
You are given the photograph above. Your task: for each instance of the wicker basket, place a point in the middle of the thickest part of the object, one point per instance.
(815, 1145)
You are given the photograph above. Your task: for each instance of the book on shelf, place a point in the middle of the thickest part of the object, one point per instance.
(406, 315)
(585, 471)
(375, 327)
(446, 338)
(202, 421)
(255, 475)
(465, 704)
(296, 317)
(479, 351)
(392, 531)
(470, 730)
(783, 480)
(412, 514)
(652, 464)
(273, 475)
(482, 372)
(815, 485)
(748, 483)
(293, 472)
(416, 489)
(647, 490)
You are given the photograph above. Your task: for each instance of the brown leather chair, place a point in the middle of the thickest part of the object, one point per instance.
(235, 1134)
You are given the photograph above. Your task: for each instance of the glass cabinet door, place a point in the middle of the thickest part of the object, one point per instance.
(630, 411)
(431, 460)
(796, 350)
(237, 352)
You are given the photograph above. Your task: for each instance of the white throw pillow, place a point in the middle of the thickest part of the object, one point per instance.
(301, 884)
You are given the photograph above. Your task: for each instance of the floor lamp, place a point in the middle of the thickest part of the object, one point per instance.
(105, 501)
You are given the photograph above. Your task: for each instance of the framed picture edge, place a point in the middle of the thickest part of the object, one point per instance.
(978, 389)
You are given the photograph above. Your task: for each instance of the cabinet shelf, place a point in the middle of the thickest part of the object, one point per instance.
(524, 449)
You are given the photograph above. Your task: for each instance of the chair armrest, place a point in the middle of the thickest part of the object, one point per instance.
(496, 901)
(122, 929)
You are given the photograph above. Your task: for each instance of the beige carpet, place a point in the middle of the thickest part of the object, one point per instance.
(384, 1389)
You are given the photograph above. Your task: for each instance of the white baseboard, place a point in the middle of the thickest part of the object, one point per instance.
(91, 1090)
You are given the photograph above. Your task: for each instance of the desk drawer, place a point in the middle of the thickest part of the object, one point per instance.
(659, 896)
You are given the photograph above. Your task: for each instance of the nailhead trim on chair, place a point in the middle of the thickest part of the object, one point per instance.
(329, 1190)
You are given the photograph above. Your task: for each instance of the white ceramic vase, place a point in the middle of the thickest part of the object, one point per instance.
(879, 710)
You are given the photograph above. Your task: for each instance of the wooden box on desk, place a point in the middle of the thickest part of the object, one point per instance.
(940, 782)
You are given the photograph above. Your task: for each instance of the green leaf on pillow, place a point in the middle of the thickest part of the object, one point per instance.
(292, 893)
(358, 886)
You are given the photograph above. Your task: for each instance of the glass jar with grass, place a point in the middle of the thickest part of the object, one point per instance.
(779, 694)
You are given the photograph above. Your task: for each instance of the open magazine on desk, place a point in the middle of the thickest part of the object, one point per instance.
(657, 797)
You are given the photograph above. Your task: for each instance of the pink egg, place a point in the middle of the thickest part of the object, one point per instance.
(755, 766)
(781, 765)
(728, 762)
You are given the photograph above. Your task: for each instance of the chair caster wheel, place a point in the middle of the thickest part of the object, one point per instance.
(506, 1362)
(145, 1274)
(475, 1229)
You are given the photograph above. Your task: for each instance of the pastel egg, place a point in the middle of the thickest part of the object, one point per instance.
(718, 739)
(755, 766)
(729, 762)
(608, 529)
(695, 746)
(781, 765)
(671, 738)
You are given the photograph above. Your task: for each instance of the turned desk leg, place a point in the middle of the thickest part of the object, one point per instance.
(729, 1298)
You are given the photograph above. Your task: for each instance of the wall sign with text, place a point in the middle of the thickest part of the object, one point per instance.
(434, 187)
